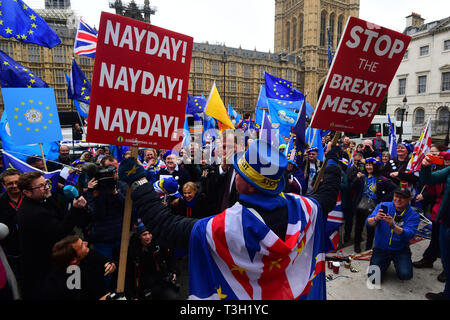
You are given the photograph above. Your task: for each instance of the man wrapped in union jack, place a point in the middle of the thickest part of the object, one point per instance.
(269, 245)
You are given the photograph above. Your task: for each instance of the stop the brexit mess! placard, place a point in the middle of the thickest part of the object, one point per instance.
(139, 85)
(366, 61)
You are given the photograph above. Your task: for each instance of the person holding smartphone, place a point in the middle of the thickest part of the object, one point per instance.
(443, 217)
(396, 224)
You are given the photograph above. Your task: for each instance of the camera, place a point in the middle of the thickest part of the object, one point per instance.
(105, 176)
(384, 208)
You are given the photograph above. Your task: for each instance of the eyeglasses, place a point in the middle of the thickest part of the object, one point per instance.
(42, 186)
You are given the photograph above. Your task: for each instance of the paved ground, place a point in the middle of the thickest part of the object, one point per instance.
(352, 286)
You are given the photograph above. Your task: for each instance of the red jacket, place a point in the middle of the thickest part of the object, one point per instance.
(436, 190)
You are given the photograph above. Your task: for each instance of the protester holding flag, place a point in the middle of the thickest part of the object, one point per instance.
(401, 174)
(372, 189)
(279, 219)
(42, 222)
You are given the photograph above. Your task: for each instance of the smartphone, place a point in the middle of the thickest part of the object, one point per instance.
(437, 160)
(384, 208)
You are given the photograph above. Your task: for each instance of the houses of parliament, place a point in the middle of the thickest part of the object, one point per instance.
(300, 51)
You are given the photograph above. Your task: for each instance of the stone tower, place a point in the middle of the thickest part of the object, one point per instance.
(301, 29)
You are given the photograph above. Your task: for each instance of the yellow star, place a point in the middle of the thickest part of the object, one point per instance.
(30, 31)
(5, 63)
(32, 80)
(24, 37)
(8, 30)
(25, 7)
(132, 170)
(300, 249)
(87, 98)
(275, 263)
(1, 22)
(221, 295)
(33, 17)
(241, 270)
(34, 25)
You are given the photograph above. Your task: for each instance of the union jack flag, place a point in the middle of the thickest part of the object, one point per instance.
(235, 256)
(334, 221)
(85, 40)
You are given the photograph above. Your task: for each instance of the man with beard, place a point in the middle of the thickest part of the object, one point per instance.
(42, 223)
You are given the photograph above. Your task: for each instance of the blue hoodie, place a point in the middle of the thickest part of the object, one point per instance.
(383, 233)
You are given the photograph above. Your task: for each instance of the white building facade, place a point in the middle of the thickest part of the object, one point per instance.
(423, 78)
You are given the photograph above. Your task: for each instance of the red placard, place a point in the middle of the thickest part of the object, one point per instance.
(366, 61)
(139, 85)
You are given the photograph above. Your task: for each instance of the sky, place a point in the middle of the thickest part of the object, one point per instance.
(250, 23)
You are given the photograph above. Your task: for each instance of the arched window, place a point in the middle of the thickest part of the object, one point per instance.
(294, 34)
(398, 114)
(323, 28)
(419, 116)
(300, 32)
(340, 27)
(443, 115)
(331, 26)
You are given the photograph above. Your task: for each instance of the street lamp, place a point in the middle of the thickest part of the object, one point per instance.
(224, 59)
(447, 138)
(403, 116)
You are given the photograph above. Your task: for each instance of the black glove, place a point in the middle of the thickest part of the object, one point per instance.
(130, 171)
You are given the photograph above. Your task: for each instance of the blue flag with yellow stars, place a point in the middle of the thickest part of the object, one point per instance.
(19, 21)
(79, 87)
(32, 115)
(277, 88)
(195, 105)
(14, 75)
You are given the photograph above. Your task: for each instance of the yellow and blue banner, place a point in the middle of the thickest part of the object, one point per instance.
(20, 22)
(11, 162)
(32, 115)
(14, 75)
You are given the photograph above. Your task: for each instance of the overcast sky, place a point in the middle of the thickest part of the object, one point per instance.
(250, 23)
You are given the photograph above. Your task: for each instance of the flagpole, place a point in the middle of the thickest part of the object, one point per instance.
(125, 235)
(43, 157)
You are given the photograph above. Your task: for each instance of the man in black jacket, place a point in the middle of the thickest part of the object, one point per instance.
(78, 273)
(42, 223)
(175, 231)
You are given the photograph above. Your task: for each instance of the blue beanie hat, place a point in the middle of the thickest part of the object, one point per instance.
(140, 229)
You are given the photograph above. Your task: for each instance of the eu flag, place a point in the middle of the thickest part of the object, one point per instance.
(21, 22)
(277, 88)
(32, 115)
(195, 105)
(14, 75)
(82, 108)
(79, 87)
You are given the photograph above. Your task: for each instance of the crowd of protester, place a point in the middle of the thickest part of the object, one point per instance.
(52, 231)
